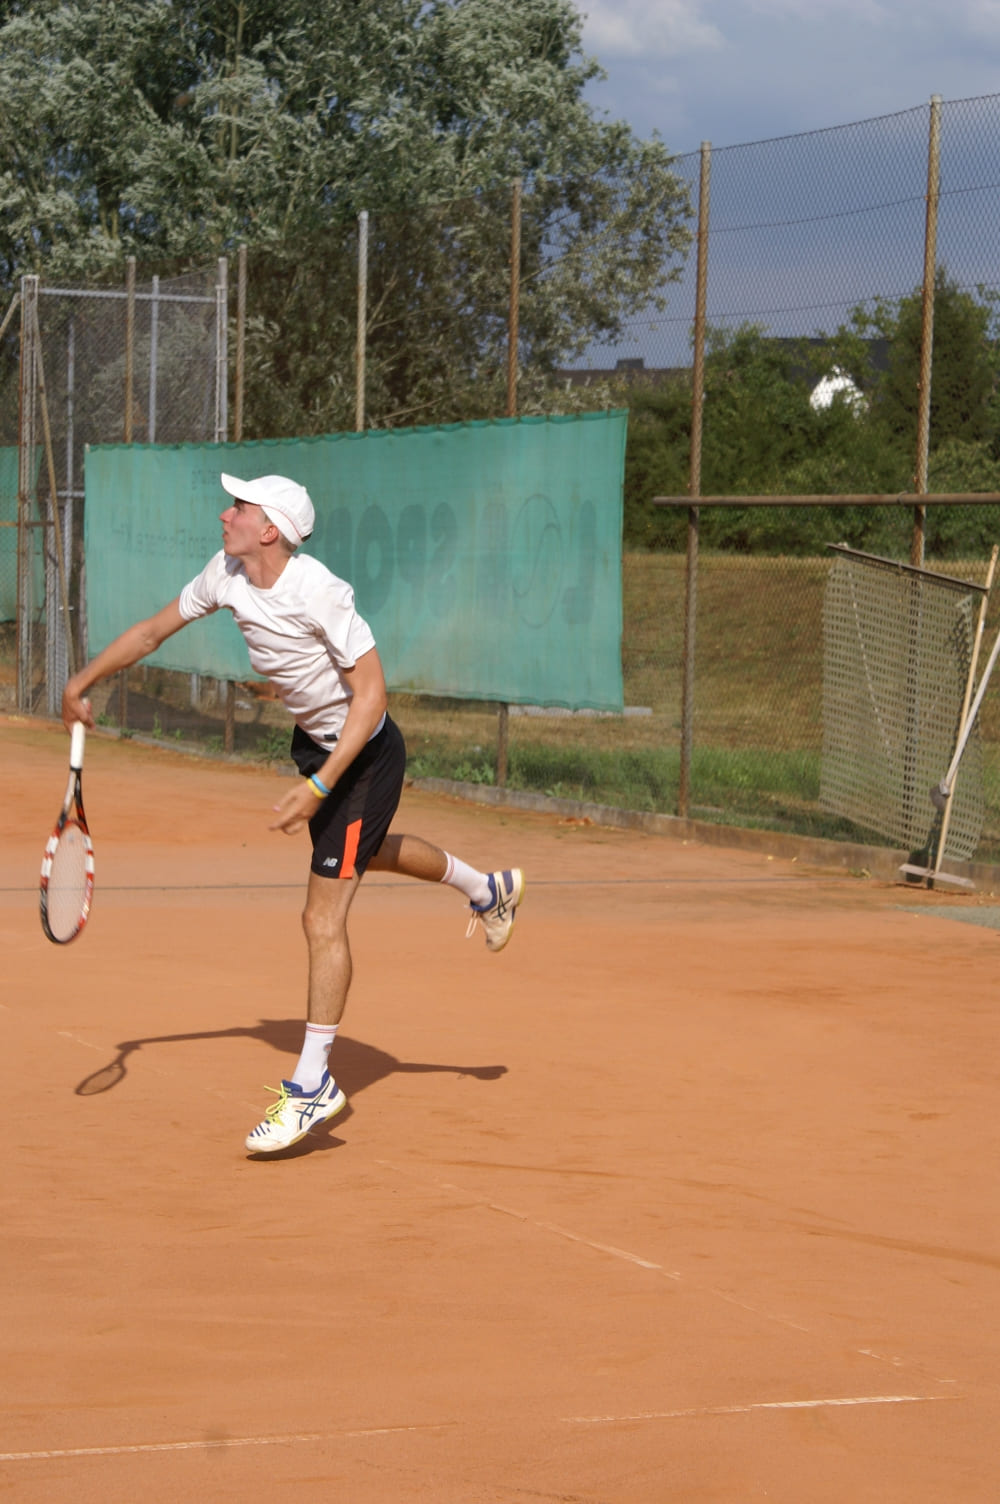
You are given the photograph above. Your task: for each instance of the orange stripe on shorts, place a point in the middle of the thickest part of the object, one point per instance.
(352, 836)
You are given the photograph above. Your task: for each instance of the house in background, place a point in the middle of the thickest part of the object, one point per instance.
(633, 371)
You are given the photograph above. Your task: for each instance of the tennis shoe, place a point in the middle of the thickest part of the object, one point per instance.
(497, 916)
(295, 1112)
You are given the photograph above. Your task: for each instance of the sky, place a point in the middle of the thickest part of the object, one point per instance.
(846, 207)
(736, 71)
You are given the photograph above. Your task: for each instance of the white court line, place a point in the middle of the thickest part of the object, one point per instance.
(213, 1444)
(676, 1276)
(575, 1237)
(608, 1248)
(310, 1437)
(861, 1399)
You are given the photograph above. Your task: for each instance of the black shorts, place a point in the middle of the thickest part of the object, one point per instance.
(352, 822)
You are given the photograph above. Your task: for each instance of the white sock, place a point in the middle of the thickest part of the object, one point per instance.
(475, 885)
(308, 1073)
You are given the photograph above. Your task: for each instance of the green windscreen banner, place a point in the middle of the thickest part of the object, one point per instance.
(8, 533)
(9, 479)
(485, 556)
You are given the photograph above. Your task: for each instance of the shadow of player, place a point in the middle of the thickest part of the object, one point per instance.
(359, 1065)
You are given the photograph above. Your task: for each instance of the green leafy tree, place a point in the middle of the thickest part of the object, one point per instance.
(964, 367)
(183, 128)
(761, 434)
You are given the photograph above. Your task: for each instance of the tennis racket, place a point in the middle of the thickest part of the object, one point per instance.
(67, 885)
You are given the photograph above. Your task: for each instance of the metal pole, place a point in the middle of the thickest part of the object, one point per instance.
(222, 351)
(361, 347)
(514, 314)
(129, 432)
(927, 330)
(241, 328)
(229, 725)
(503, 719)
(154, 340)
(513, 337)
(15, 303)
(70, 411)
(25, 478)
(129, 345)
(229, 692)
(694, 487)
(970, 681)
(70, 505)
(57, 536)
(911, 791)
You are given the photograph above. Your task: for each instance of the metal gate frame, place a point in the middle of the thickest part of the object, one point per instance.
(54, 515)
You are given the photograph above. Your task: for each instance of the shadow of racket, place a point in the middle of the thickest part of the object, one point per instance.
(109, 1075)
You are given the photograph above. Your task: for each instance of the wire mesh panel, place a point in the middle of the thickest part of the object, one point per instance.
(802, 230)
(8, 573)
(147, 364)
(897, 651)
(86, 339)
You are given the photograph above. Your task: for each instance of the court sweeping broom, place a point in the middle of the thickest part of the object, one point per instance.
(941, 793)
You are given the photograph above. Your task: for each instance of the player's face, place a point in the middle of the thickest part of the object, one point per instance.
(242, 525)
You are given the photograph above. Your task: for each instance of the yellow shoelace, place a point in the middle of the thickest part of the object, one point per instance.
(275, 1107)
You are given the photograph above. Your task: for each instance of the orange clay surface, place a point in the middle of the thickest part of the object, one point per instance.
(690, 1194)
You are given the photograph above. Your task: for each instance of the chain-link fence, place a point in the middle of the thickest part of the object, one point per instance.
(804, 229)
(839, 291)
(145, 362)
(761, 672)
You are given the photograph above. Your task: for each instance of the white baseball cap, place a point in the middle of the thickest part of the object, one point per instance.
(284, 502)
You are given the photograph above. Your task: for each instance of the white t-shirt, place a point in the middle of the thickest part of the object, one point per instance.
(300, 633)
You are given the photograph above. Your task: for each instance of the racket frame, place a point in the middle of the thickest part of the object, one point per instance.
(72, 800)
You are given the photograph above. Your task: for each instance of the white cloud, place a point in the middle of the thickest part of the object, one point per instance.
(978, 18)
(647, 28)
(871, 12)
(733, 71)
(983, 19)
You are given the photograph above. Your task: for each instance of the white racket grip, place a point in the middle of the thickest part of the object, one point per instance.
(76, 746)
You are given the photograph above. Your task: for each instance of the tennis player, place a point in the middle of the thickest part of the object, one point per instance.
(304, 634)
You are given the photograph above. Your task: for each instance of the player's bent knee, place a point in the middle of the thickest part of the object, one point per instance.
(324, 922)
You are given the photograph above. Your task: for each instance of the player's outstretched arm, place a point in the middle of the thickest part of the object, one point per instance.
(136, 642)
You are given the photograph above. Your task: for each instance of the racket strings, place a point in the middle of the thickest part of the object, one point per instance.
(67, 898)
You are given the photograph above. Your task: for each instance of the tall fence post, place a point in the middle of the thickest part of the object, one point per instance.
(229, 696)
(222, 351)
(361, 346)
(514, 308)
(154, 356)
(127, 429)
(513, 337)
(241, 343)
(27, 450)
(129, 347)
(221, 389)
(694, 487)
(58, 625)
(927, 329)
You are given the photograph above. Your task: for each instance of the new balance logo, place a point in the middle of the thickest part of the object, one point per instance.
(331, 861)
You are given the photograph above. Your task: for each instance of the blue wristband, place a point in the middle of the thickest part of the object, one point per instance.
(318, 786)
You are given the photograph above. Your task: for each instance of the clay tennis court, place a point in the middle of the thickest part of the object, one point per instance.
(688, 1195)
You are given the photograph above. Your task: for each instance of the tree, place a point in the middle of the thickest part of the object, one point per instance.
(183, 128)
(964, 369)
(761, 434)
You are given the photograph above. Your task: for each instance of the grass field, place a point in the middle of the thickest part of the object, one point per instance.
(757, 715)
